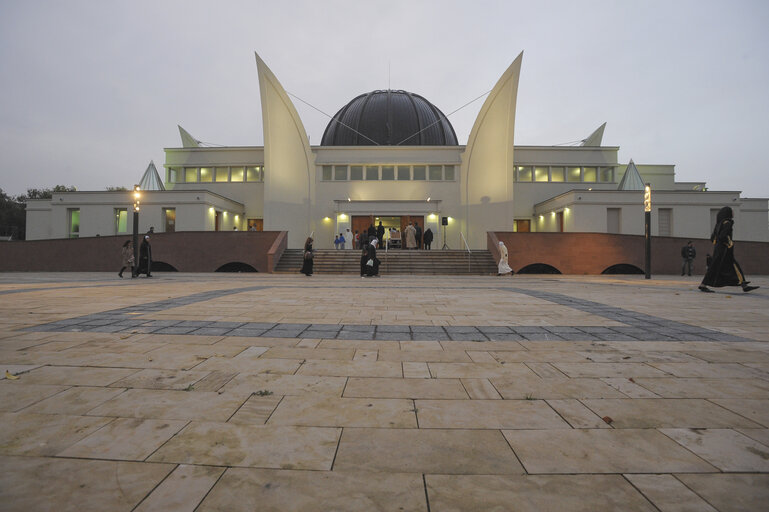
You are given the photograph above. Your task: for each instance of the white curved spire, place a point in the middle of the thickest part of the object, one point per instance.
(188, 141)
(487, 163)
(595, 138)
(288, 161)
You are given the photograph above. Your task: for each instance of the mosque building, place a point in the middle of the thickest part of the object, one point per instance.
(391, 156)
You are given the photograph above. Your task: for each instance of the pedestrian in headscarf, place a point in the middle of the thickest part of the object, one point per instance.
(307, 257)
(127, 253)
(503, 266)
(724, 269)
(145, 257)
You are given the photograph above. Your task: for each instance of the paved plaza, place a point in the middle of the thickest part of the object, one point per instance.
(243, 392)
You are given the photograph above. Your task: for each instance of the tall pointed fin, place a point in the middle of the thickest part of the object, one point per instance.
(151, 179)
(188, 141)
(487, 163)
(288, 162)
(595, 138)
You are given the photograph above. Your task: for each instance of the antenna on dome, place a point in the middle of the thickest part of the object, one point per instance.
(388, 75)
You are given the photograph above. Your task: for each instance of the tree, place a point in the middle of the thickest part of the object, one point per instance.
(46, 193)
(13, 217)
(118, 188)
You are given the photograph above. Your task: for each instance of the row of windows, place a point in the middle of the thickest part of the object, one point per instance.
(254, 173)
(388, 172)
(557, 174)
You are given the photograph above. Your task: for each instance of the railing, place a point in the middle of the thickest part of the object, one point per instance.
(468, 251)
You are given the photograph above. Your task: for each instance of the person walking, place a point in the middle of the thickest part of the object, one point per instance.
(428, 238)
(503, 266)
(145, 257)
(127, 253)
(307, 256)
(418, 234)
(348, 239)
(373, 268)
(380, 231)
(724, 269)
(411, 236)
(688, 253)
(336, 241)
(363, 261)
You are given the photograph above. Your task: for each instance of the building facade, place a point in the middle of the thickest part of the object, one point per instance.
(393, 157)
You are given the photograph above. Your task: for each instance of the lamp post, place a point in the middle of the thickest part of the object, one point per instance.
(137, 196)
(647, 229)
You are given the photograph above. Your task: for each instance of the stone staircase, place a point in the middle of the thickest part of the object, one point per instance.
(436, 262)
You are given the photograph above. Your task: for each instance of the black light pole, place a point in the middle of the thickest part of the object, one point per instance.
(137, 196)
(647, 229)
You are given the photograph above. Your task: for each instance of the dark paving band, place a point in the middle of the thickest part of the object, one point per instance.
(637, 326)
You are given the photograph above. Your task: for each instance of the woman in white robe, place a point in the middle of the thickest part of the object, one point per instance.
(504, 268)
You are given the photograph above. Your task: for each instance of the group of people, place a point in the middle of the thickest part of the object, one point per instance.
(411, 238)
(722, 268)
(145, 257)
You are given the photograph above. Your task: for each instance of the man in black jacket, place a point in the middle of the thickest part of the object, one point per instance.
(688, 254)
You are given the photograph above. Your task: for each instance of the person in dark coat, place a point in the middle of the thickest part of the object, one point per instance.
(307, 256)
(688, 253)
(724, 269)
(145, 257)
(372, 270)
(363, 260)
(418, 234)
(380, 232)
(371, 233)
(428, 238)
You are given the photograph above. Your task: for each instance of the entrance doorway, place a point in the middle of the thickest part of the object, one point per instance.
(361, 223)
(255, 225)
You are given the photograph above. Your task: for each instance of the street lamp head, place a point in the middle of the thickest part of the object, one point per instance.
(647, 198)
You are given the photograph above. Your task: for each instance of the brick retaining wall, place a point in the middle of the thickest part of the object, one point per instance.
(187, 251)
(592, 253)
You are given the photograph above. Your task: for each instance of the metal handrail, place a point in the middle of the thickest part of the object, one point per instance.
(468, 251)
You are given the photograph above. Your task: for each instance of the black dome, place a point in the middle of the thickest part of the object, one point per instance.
(389, 118)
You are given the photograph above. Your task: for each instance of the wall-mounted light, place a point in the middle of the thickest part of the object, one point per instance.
(428, 199)
(342, 216)
(348, 199)
(326, 219)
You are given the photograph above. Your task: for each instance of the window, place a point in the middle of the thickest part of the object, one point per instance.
(372, 172)
(327, 170)
(589, 174)
(665, 220)
(606, 174)
(206, 175)
(574, 174)
(254, 173)
(419, 172)
(73, 222)
(356, 172)
(222, 174)
(613, 220)
(448, 172)
(121, 220)
(340, 173)
(557, 174)
(190, 174)
(237, 174)
(524, 173)
(436, 173)
(540, 174)
(169, 217)
(388, 172)
(404, 172)
(173, 174)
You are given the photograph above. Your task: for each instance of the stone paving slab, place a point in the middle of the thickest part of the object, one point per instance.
(216, 391)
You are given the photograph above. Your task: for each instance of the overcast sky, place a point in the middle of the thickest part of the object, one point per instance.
(91, 91)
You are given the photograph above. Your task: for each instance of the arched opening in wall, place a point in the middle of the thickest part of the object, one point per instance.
(162, 266)
(623, 268)
(539, 268)
(236, 266)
